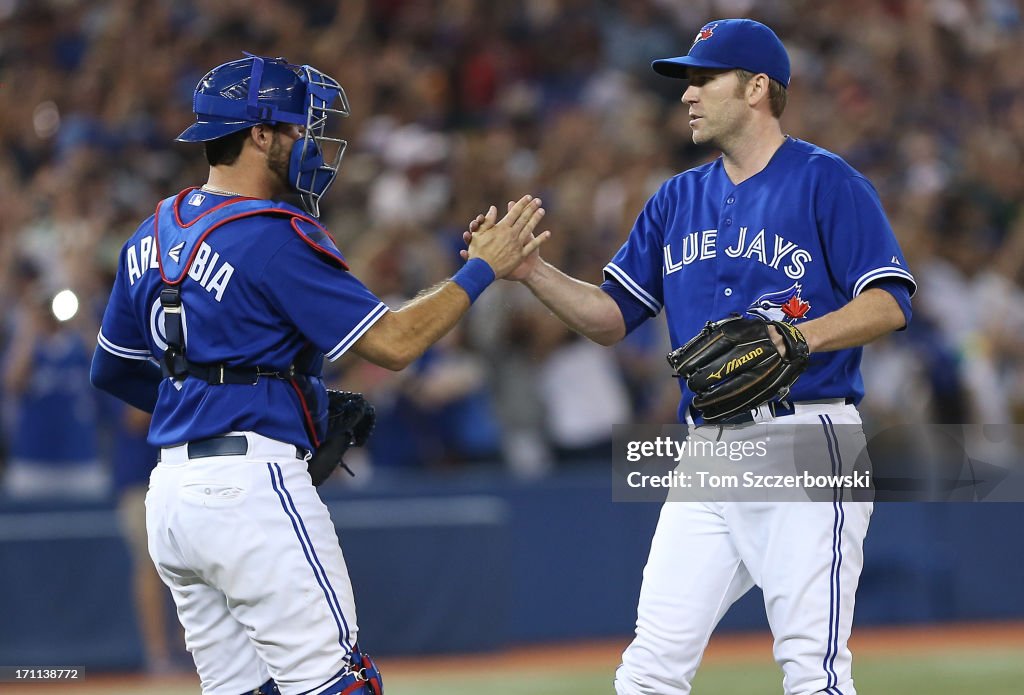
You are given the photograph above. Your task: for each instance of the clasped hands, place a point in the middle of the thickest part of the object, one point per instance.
(507, 245)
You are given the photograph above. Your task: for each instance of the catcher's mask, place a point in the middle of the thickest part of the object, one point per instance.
(253, 90)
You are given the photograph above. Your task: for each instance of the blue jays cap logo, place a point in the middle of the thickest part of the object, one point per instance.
(704, 34)
(786, 305)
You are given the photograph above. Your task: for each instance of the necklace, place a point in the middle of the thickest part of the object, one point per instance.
(220, 191)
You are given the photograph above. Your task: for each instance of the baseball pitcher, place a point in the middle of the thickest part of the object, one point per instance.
(774, 263)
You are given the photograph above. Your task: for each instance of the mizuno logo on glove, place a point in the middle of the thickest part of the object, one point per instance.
(732, 366)
(734, 363)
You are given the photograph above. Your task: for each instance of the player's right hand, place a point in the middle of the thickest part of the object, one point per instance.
(507, 243)
(531, 259)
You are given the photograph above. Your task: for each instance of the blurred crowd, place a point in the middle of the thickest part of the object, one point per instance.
(460, 104)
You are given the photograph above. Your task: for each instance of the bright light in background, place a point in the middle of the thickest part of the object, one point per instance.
(64, 305)
(46, 119)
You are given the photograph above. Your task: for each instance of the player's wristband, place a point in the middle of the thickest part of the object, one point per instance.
(474, 277)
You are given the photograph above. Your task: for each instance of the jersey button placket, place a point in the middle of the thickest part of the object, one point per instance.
(723, 278)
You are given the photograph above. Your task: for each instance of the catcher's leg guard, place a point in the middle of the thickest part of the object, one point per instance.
(268, 688)
(362, 677)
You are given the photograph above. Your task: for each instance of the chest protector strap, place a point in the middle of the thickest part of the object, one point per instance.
(175, 365)
(178, 242)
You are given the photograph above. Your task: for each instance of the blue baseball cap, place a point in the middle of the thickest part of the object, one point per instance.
(731, 43)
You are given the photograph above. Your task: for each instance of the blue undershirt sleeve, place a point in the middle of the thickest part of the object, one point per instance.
(900, 292)
(634, 312)
(133, 381)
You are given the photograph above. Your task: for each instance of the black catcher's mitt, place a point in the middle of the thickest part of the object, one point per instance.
(350, 419)
(733, 367)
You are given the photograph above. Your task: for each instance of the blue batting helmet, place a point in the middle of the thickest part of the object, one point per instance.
(254, 90)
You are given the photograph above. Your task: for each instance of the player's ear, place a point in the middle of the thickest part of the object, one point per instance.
(261, 135)
(757, 89)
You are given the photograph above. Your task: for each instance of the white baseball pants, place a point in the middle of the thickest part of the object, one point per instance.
(252, 559)
(805, 556)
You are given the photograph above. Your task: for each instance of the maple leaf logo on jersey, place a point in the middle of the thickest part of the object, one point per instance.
(795, 308)
(786, 305)
(704, 34)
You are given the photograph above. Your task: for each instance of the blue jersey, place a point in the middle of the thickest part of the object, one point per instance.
(257, 290)
(794, 242)
(56, 415)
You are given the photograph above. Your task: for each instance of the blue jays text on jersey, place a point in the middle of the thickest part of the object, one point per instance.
(774, 252)
(258, 288)
(797, 240)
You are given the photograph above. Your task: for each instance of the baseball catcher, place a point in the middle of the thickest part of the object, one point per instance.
(732, 366)
(240, 297)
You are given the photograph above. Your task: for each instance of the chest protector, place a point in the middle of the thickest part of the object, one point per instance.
(177, 243)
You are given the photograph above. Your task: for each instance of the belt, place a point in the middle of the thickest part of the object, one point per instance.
(224, 445)
(775, 409)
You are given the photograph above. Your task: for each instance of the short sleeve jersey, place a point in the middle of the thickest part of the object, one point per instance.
(796, 241)
(256, 294)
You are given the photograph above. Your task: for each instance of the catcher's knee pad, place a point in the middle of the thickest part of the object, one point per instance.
(268, 688)
(362, 677)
